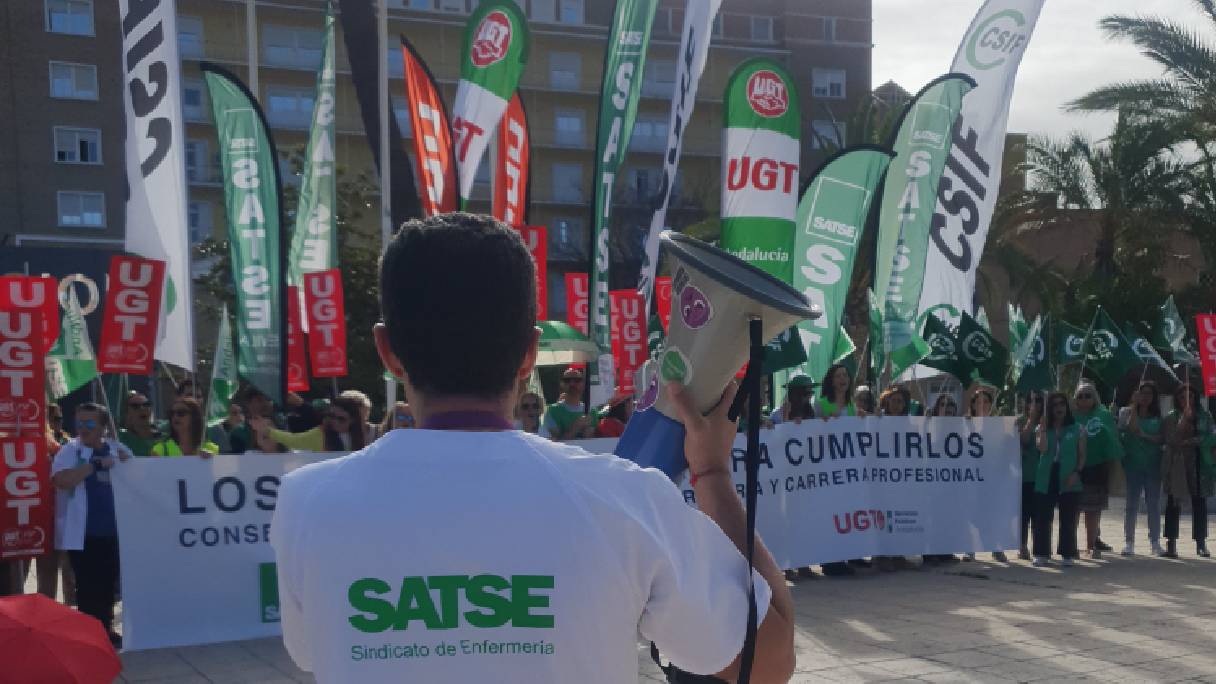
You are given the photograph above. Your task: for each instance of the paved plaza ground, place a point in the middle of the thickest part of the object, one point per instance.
(1117, 619)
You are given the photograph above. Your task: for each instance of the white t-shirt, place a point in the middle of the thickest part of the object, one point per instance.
(436, 556)
(72, 505)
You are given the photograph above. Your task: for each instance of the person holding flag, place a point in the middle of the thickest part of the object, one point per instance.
(1057, 482)
(1026, 425)
(1182, 471)
(1102, 447)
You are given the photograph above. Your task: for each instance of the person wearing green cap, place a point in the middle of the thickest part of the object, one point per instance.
(799, 401)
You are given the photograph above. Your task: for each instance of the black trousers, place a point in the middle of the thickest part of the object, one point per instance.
(1199, 518)
(1028, 504)
(1069, 504)
(96, 569)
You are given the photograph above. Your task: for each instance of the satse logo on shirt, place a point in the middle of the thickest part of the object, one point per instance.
(436, 602)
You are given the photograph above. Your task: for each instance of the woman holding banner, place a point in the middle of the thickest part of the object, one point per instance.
(981, 404)
(1057, 482)
(944, 407)
(1030, 463)
(1102, 447)
(836, 401)
(1142, 430)
(1183, 474)
(186, 436)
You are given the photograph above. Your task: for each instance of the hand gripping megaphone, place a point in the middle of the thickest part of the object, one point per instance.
(714, 299)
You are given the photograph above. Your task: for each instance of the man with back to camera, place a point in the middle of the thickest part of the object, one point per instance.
(467, 550)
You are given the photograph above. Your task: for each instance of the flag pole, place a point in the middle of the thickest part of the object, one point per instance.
(386, 214)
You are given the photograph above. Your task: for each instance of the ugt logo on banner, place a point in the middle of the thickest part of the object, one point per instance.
(26, 520)
(1206, 324)
(628, 335)
(326, 323)
(34, 293)
(22, 371)
(132, 315)
(576, 301)
(297, 363)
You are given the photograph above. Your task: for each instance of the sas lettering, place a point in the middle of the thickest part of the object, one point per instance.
(436, 602)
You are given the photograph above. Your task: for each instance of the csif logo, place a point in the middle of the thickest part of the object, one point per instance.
(1073, 345)
(767, 94)
(976, 347)
(942, 346)
(491, 40)
(863, 521)
(996, 39)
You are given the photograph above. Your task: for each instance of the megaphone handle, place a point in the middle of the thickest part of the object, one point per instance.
(751, 385)
(736, 406)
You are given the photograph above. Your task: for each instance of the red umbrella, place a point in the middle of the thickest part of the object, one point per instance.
(44, 642)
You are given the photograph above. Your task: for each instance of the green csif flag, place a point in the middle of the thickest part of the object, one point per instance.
(988, 358)
(1031, 367)
(1145, 350)
(760, 155)
(1069, 343)
(922, 144)
(943, 350)
(830, 219)
(224, 379)
(1171, 335)
(623, 65)
(70, 364)
(314, 241)
(1109, 353)
(496, 46)
(251, 197)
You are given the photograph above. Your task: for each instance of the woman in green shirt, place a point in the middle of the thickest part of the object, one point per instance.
(1102, 447)
(1141, 429)
(1057, 482)
(836, 401)
(186, 437)
(1030, 463)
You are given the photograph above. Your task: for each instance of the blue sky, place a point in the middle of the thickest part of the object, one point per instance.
(915, 41)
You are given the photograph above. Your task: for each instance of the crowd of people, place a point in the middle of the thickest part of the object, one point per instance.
(1068, 448)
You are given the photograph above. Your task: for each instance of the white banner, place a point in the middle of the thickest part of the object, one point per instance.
(694, 49)
(759, 174)
(197, 566)
(990, 53)
(155, 163)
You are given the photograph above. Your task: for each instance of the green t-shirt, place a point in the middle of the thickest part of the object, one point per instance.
(559, 418)
(1030, 454)
(138, 445)
(1067, 454)
(1139, 454)
(1101, 437)
(828, 409)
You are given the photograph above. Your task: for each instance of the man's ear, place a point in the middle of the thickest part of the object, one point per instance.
(525, 369)
(385, 350)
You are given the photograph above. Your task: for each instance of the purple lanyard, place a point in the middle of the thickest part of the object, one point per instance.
(467, 420)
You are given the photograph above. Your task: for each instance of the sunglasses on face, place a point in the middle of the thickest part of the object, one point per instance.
(339, 418)
(571, 381)
(88, 424)
(1059, 404)
(136, 405)
(529, 407)
(1085, 396)
(180, 413)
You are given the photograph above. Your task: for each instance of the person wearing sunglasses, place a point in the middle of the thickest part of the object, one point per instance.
(186, 436)
(1057, 482)
(85, 525)
(1027, 423)
(1182, 469)
(340, 430)
(567, 418)
(527, 412)
(1143, 433)
(399, 418)
(982, 404)
(1101, 447)
(139, 432)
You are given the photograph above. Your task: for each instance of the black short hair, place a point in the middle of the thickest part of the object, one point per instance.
(458, 298)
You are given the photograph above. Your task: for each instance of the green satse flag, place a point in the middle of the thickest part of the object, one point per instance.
(878, 351)
(1031, 363)
(251, 198)
(988, 358)
(70, 364)
(760, 156)
(1171, 335)
(224, 379)
(496, 47)
(1109, 354)
(828, 229)
(943, 350)
(623, 64)
(922, 144)
(1069, 343)
(314, 240)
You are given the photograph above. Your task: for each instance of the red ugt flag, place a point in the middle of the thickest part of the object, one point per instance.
(132, 315)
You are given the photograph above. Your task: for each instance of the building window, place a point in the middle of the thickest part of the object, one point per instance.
(642, 185)
(452, 6)
(73, 81)
(198, 162)
(401, 112)
(568, 124)
(198, 221)
(292, 46)
(77, 145)
(290, 107)
(74, 17)
(565, 70)
(396, 62)
(189, 36)
(762, 29)
(659, 80)
(719, 27)
(544, 10)
(482, 175)
(82, 209)
(665, 22)
(568, 182)
(828, 135)
(570, 11)
(829, 83)
(422, 4)
(567, 240)
(194, 102)
(829, 29)
(649, 133)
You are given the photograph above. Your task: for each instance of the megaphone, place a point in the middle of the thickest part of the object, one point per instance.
(715, 297)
